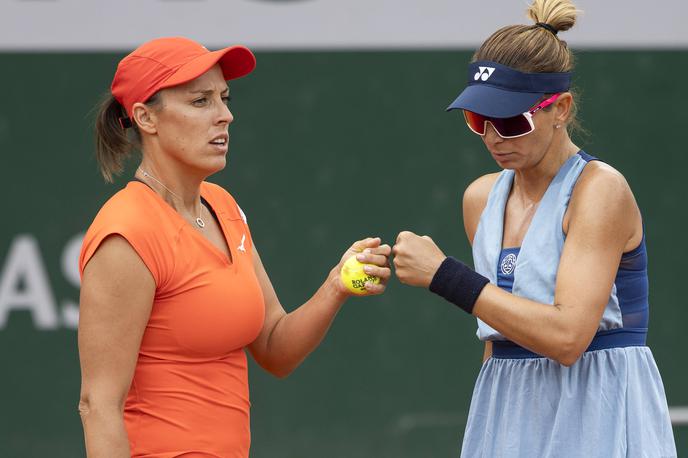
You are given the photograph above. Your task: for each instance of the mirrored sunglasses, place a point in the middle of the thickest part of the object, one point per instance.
(513, 127)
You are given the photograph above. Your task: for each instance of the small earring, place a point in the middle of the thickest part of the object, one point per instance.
(557, 126)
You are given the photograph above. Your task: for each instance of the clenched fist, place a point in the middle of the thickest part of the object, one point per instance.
(416, 259)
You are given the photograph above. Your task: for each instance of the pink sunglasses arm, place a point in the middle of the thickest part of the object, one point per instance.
(544, 103)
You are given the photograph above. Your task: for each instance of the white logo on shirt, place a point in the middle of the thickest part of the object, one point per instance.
(508, 264)
(484, 73)
(241, 247)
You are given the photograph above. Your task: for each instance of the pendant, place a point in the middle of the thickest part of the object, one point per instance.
(200, 222)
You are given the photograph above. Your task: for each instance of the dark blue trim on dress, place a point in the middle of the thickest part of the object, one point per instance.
(506, 268)
(614, 338)
(586, 157)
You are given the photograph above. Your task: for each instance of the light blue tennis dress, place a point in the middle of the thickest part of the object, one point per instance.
(611, 402)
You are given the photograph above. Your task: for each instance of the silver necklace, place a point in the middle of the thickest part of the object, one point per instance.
(199, 220)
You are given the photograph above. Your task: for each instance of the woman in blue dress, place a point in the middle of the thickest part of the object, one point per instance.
(560, 284)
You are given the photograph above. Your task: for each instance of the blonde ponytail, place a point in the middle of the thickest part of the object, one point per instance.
(559, 14)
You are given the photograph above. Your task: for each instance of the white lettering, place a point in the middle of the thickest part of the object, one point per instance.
(24, 284)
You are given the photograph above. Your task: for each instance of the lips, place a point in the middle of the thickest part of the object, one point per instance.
(501, 157)
(220, 140)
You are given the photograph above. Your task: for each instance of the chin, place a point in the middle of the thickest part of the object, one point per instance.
(212, 165)
(218, 165)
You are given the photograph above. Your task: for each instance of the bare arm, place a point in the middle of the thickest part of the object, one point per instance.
(287, 338)
(116, 297)
(603, 220)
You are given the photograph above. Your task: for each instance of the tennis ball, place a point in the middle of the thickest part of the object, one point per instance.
(354, 277)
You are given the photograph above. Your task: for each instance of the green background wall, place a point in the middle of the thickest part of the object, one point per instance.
(327, 148)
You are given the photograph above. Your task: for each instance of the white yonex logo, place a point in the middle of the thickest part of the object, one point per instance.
(241, 247)
(484, 73)
(508, 264)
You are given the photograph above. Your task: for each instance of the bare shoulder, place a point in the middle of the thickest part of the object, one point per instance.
(474, 201)
(480, 188)
(600, 184)
(603, 195)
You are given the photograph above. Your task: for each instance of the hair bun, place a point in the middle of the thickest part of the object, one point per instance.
(558, 14)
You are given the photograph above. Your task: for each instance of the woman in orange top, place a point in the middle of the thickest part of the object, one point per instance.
(173, 288)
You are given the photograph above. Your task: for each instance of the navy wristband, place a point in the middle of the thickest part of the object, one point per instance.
(458, 283)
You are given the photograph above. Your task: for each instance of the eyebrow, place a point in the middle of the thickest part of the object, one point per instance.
(208, 91)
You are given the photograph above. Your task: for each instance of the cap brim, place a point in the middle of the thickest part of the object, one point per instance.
(235, 62)
(494, 102)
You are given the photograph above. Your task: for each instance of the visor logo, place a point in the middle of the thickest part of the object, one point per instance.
(483, 73)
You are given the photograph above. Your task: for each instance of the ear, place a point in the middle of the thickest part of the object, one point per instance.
(144, 118)
(562, 108)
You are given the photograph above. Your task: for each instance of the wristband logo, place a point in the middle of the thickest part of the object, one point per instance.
(508, 264)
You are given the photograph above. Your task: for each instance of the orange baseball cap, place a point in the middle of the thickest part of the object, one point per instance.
(167, 62)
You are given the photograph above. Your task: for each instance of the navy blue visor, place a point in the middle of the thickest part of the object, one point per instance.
(498, 91)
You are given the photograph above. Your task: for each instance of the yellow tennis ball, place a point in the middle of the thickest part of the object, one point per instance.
(354, 277)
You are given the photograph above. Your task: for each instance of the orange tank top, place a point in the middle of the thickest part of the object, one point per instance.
(189, 395)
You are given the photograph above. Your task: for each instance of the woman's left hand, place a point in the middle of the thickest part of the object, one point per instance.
(368, 251)
(416, 259)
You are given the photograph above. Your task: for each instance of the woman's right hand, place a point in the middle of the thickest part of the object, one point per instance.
(368, 251)
(416, 259)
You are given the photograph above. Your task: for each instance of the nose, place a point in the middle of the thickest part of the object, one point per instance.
(225, 116)
(491, 135)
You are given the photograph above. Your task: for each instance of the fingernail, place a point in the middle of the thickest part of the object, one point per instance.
(367, 250)
(360, 257)
(367, 269)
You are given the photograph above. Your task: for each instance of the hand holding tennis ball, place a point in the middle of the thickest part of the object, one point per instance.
(354, 277)
(364, 268)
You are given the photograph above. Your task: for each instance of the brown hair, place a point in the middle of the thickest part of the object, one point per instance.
(114, 144)
(535, 49)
